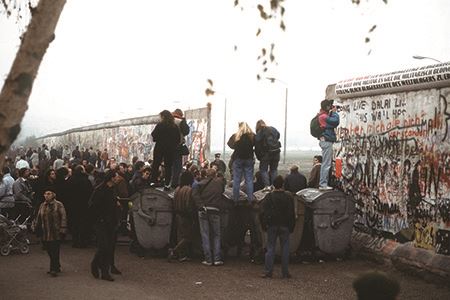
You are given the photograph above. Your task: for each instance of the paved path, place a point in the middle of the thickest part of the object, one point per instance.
(24, 277)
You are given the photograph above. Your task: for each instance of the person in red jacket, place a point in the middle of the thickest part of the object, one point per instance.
(328, 120)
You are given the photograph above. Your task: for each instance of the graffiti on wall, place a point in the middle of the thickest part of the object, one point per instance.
(395, 150)
(123, 141)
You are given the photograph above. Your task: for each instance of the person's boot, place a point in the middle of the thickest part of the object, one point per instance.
(114, 270)
(106, 276)
(94, 270)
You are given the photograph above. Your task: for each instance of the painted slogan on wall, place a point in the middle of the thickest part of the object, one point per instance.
(132, 137)
(395, 150)
(414, 78)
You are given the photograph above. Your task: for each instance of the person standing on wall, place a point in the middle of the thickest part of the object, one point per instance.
(243, 142)
(267, 150)
(182, 149)
(328, 121)
(166, 136)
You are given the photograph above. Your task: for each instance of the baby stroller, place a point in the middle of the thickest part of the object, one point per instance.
(13, 236)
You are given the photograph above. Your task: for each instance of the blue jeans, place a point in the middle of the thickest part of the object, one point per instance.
(327, 153)
(210, 231)
(272, 233)
(270, 163)
(243, 167)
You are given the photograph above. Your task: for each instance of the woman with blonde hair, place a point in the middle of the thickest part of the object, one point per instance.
(242, 142)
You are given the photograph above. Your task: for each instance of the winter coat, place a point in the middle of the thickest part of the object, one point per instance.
(166, 137)
(23, 192)
(278, 210)
(78, 193)
(103, 205)
(261, 149)
(328, 122)
(209, 192)
(243, 149)
(51, 220)
(295, 182)
(183, 202)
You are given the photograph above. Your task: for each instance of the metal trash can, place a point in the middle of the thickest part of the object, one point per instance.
(296, 236)
(332, 215)
(152, 213)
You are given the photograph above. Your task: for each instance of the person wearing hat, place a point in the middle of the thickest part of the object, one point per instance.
(51, 225)
(219, 164)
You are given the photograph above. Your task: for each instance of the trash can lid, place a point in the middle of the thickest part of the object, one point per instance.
(228, 193)
(311, 194)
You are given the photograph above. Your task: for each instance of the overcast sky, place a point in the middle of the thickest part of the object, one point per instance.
(117, 59)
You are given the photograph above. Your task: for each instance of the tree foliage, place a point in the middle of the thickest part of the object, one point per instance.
(19, 10)
(269, 11)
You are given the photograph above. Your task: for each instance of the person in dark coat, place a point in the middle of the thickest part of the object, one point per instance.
(62, 191)
(182, 149)
(184, 217)
(103, 213)
(79, 191)
(278, 219)
(166, 135)
(267, 150)
(294, 181)
(314, 176)
(141, 181)
(49, 180)
(218, 164)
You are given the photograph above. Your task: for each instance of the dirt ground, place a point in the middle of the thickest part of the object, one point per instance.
(24, 277)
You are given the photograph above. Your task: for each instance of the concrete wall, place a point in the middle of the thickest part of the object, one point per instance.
(132, 137)
(395, 150)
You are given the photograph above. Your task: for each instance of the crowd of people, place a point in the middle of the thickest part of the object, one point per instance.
(79, 190)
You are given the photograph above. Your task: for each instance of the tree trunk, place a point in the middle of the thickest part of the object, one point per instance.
(17, 87)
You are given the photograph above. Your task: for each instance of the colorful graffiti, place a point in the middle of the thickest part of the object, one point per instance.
(395, 150)
(127, 138)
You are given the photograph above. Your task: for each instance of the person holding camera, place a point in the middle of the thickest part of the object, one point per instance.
(51, 225)
(328, 121)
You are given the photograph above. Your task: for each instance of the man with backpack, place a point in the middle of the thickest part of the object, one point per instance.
(267, 149)
(328, 120)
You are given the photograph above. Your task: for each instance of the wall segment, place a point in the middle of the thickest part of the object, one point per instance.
(132, 137)
(395, 147)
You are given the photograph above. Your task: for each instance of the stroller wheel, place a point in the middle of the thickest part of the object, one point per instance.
(24, 249)
(5, 250)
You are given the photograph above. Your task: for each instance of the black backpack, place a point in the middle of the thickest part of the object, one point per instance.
(316, 130)
(270, 141)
